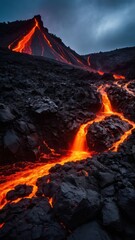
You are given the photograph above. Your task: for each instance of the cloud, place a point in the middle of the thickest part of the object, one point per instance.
(85, 25)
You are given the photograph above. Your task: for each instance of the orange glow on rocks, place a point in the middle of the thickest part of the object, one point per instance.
(28, 176)
(125, 87)
(1, 225)
(50, 201)
(46, 44)
(128, 90)
(100, 73)
(88, 61)
(109, 111)
(118, 77)
(78, 151)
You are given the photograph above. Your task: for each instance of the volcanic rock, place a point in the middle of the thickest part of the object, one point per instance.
(33, 140)
(25, 127)
(126, 201)
(110, 214)
(30, 219)
(54, 98)
(11, 141)
(122, 101)
(105, 179)
(43, 105)
(108, 191)
(120, 61)
(128, 230)
(19, 191)
(5, 114)
(89, 231)
(76, 200)
(74, 205)
(101, 135)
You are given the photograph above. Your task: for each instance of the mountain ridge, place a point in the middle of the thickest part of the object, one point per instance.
(30, 36)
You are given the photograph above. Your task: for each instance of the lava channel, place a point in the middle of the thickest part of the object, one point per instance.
(78, 151)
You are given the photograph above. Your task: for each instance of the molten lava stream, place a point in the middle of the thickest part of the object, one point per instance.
(100, 73)
(27, 176)
(128, 90)
(125, 87)
(79, 148)
(108, 110)
(78, 151)
(24, 45)
(118, 77)
(88, 61)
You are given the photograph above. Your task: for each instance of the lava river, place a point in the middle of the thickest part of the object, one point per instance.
(78, 151)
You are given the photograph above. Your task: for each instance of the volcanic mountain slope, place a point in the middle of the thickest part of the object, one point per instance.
(119, 61)
(31, 37)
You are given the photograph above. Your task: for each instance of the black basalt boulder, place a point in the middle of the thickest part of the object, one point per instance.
(102, 135)
(5, 114)
(89, 231)
(126, 202)
(74, 205)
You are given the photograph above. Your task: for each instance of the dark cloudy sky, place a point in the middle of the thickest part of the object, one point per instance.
(84, 25)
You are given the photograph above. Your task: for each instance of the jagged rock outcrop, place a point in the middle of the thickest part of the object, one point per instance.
(102, 135)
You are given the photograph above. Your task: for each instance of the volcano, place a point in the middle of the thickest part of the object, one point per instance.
(67, 130)
(32, 38)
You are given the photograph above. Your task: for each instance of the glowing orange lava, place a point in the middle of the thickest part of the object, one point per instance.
(118, 77)
(100, 73)
(79, 149)
(28, 176)
(50, 201)
(1, 225)
(24, 46)
(77, 152)
(125, 87)
(88, 61)
(108, 110)
(128, 90)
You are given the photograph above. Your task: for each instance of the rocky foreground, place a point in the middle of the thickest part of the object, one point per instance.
(41, 100)
(42, 105)
(93, 199)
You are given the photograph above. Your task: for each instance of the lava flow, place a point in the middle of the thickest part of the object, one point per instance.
(118, 77)
(24, 44)
(127, 89)
(49, 47)
(100, 72)
(79, 148)
(78, 151)
(88, 61)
